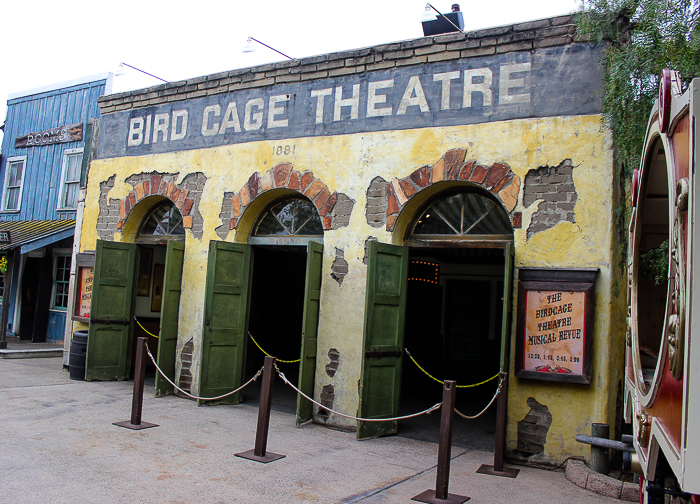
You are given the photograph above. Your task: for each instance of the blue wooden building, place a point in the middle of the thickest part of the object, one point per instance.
(43, 167)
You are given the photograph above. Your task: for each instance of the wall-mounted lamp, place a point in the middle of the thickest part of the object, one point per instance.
(120, 71)
(249, 47)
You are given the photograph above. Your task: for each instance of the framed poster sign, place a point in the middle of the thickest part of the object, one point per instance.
(555, 324)
(85, 267)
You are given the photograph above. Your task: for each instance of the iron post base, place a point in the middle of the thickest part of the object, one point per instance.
(265, 459)
(429, 497)
(507, 472)
(127, 424)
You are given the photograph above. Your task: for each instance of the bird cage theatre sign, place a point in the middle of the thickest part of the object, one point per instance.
(555, 324)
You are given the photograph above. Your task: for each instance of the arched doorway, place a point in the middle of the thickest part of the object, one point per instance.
(454, 263)
(136, 293)
(273, 295)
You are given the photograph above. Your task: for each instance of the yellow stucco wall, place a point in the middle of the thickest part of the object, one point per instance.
(347, 164)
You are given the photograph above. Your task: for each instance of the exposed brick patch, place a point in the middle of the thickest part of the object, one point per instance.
(498, 178)
(375, 212)
(185, 382)
(334, 362)
(339, 268)
(327, 399)
(341, 211)
(554, 186)
(108, 217)
(533, 429)
(185, 196)
(333, 207)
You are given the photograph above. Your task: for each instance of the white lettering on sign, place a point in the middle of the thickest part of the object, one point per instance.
(507, 83)
(373, 98)
(446, 78)
(230, 119)
(253, 121)
(477, 87)
(206, 130)
(179, 121)
(320, 95)
(483, 87)
(413, 97)
(275, 111)
(353, 103)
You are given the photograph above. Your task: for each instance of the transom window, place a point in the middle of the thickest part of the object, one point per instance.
(289, 221)
(163, 223)
(465, 215)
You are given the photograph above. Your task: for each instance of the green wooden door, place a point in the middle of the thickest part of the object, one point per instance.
(224, 334)
(309, 334)
(385, 310)
(170, 308)
(109, 337)
(507, 306)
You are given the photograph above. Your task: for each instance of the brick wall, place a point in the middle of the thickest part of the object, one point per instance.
(543, 33)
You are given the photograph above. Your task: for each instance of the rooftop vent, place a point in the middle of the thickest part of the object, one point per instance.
(441, 25)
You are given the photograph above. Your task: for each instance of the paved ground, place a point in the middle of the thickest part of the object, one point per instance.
(59, 446)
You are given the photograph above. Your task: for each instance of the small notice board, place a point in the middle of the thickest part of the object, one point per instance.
(85, 267)
(555, 324)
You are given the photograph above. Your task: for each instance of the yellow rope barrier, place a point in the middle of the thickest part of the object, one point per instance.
(441, 382)
(263, 351)
(144, 329)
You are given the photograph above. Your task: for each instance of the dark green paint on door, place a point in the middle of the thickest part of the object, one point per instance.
(385, 311)
(224, 334)
(109, 337)
(312, 296)
(167, 341)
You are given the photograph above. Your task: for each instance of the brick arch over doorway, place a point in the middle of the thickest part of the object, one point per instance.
(498, 178)
(333, 208)
(185, 196)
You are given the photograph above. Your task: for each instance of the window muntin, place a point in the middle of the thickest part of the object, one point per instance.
(462, 215)
(61, 281)
(295, 217)
(14, 178)
(164, 222)
(70, 178)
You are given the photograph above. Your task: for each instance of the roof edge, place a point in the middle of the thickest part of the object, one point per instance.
(107, 76)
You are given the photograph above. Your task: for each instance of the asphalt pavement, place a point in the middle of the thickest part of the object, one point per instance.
(59, 446)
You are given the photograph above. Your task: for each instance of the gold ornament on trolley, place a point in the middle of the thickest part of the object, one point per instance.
(676, 321)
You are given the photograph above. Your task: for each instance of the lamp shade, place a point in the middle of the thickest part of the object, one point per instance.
(249, 47)
(428, 14)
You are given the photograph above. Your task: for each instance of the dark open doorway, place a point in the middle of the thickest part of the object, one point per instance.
(276, 315)
(453, 331)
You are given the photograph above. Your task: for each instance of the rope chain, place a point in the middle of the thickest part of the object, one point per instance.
(255, 377)
(498, 391)
(405, 417)
(441, 381)
(263, 351)
(144, 329)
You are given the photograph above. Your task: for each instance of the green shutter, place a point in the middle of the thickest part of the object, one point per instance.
(109, 346)
(312, 295)
(167, 341)
(385, 310)
(224, 333)
(507, 305)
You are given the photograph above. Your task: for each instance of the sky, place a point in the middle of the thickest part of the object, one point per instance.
(47, 42)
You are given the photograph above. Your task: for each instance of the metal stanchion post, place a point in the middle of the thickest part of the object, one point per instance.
(260, 453)
(441, 495)
(497, 468)
(137, 402)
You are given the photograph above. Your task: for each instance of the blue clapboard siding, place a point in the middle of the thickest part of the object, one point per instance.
(42, 177)
(56, 327)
